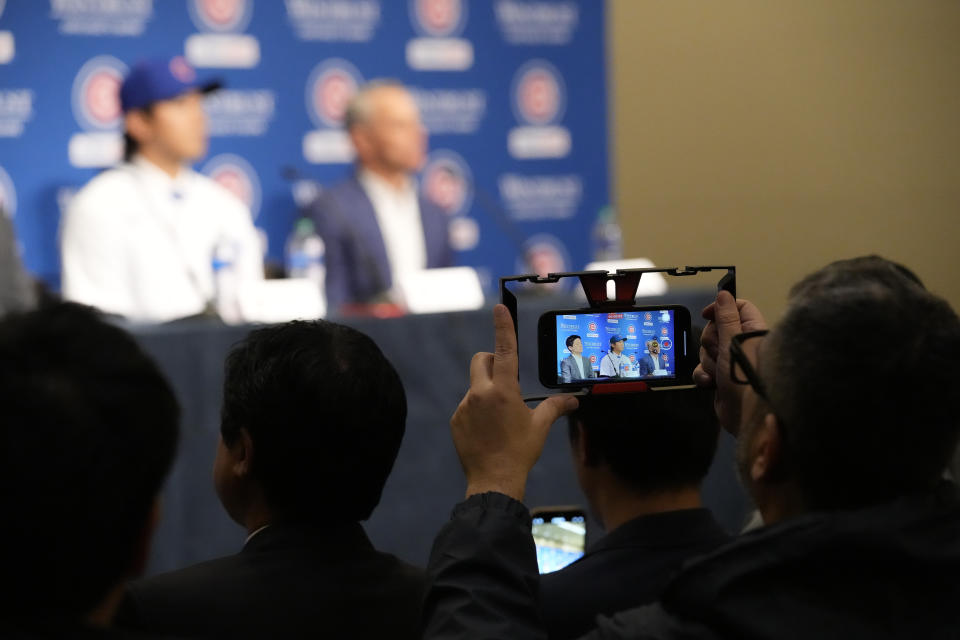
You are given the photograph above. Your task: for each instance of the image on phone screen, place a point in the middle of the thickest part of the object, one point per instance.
(560, 539)
(614, 346)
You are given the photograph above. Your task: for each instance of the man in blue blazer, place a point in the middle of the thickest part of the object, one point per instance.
(648, 365)
(375, 224)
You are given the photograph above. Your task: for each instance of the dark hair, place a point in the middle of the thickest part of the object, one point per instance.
(326, 412)
(862, 374)
(89, 431)
(652, 441)
(571, 339)
(130, 145)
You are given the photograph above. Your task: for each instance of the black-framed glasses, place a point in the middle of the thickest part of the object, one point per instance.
(741, 369)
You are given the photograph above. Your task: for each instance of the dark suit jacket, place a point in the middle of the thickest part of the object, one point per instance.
(626, 568)
(356, 258)
(569, 371)
(645, 366)
(287, 582)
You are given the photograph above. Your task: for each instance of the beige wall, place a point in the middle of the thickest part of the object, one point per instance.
(780, 135)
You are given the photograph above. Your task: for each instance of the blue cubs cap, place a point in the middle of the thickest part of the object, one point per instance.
(615, 339)
(151, 81)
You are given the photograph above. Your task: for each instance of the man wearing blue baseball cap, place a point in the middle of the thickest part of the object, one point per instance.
(141, 240)
(615, 364)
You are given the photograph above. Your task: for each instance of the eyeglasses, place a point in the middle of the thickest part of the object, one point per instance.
(741, 370)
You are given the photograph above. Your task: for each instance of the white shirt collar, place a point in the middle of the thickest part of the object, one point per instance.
(373, 181)
(251, 536)
(157, 177)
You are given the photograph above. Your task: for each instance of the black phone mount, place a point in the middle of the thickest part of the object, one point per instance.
(594, 283)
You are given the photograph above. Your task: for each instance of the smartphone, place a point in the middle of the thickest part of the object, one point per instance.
(560, 534)
(582, 347)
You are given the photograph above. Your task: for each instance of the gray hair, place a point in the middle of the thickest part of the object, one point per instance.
(359, 108)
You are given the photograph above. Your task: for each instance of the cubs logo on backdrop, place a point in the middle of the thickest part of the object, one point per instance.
(237, 176)
(438, 18)
(330, 87)
(446, 180)
(539, 94)
(222, 16)
(96, 94)
(8, 195)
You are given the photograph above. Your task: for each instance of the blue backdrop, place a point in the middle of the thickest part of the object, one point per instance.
(513, 92)
(596, 329)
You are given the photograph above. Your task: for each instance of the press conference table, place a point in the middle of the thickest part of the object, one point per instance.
(432, 355)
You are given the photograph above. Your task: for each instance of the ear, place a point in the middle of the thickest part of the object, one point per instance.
(360, 137)
(768, 451)
(137, 124)
(580, 446)
(241, 454)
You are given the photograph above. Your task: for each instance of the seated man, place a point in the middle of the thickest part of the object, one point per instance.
(842, 444)
(641, 477)
(89, 432)
(650, 364)
(615, 364)
(374, 224)
(575, 366)
(151, 239)
(313, 415)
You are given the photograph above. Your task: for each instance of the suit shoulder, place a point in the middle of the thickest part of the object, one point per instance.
(195, 578)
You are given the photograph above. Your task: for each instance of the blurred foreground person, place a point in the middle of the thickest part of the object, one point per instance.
(16, 288)
(375, 224)
(89, 429)
(313, 416)
(842, 444)
(141, 240)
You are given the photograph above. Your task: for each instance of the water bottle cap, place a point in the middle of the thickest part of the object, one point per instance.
(305, 226)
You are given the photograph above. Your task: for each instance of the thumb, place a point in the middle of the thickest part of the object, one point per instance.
(727, 319)
(548, 411)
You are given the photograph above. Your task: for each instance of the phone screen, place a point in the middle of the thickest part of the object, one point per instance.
(637, 344)
(560, 539)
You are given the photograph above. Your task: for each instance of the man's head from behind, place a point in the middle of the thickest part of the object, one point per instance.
(383, 121)
(313, 416)
(89, 431)
(646, 443)
(863, 396)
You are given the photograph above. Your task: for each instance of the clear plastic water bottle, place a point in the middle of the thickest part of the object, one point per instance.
(305, 251)
(226, 283)
(607, 237)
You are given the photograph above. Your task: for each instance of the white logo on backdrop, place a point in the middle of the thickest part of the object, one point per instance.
(526, 22)
(101, 17)
(541, 197)
(240, 112)
(16, 109)
(334, 20)
(459, 111)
